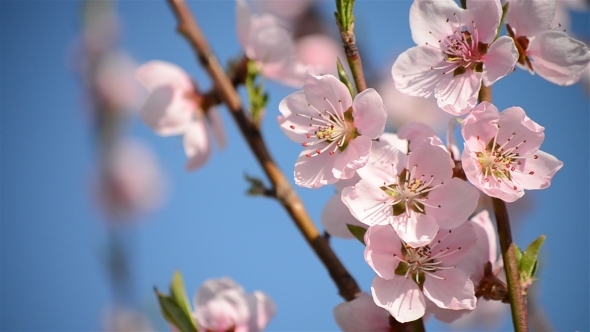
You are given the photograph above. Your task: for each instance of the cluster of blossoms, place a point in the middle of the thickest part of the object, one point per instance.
(427, 255)
(423, 239)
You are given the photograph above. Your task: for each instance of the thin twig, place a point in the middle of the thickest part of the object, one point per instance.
(187, 26)
(517, 301)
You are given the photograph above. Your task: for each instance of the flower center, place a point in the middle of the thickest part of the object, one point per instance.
(416, 263)
(497, 161)
(329, 131)
(522, 43)
(462, 49)
(410, 192)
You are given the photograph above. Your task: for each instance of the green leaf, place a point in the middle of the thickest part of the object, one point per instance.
(178, 293)
(343, 14)
(174, 313)
(256, 186)
(257, 97)
(343, 76)
(358, 232)
(518, 254)
(528, 262)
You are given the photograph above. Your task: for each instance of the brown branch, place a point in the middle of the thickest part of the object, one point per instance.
(187, 26)
(517, 300)
(353, 58)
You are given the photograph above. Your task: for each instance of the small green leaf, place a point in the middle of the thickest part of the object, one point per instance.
(528, 262)
(174, 313)
(343, 14)
(178, 293)
(256, 95)
(343, 76)
(358, 232)
(256, 186)
(518, 255)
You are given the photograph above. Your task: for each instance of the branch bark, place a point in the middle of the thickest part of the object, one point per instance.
(285, 194)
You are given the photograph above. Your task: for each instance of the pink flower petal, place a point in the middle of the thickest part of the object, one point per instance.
(486, 15)
(537, 173)
(457, 200)
(369, 113)
(528, 135)
(294, 126)
(167, 110)
(428, 20)
(455, 291)
(557, 57)
(314, 172)
(335, 216)
(400, 296)
(365, 202)
(412, 73)
(262, 309)
(486, 235)
(499, 60)
(361, 314)
(155, 74)
(354, 156)
(416, 229)
(457, 95)
(327, 93)
(382, 244)
(529, 18)
(196, 145)
(217, 126)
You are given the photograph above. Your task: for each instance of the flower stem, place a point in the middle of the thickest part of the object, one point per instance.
(345, 23)
(285, 194)
(517, 300)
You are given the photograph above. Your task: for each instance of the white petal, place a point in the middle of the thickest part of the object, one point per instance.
(196, 145)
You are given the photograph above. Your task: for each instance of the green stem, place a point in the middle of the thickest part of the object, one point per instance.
(517, 301)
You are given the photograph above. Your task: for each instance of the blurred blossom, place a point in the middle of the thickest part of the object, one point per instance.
(562, 9)
(115, 81)
(121, 319)
(403, 108)
(131, 181)
(222, 305)
(288, 10)
(319, 51)
(102, 28)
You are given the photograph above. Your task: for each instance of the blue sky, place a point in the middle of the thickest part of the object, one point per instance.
(53, 239)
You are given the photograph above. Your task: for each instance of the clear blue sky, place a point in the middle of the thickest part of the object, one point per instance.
(53, 237)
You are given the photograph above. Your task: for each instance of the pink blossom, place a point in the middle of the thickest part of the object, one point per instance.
(501, 155)
(267, 41)
(484, 251)
(415, 193)
(172, 109)
(131, 181)
(456, 51)
(222, 305)
(407, 274)
(335, 130)
(336, 216)
(319, 52)
(550, 53)
(361, 314)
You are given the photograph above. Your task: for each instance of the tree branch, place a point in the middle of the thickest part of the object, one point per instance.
(285, 194)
